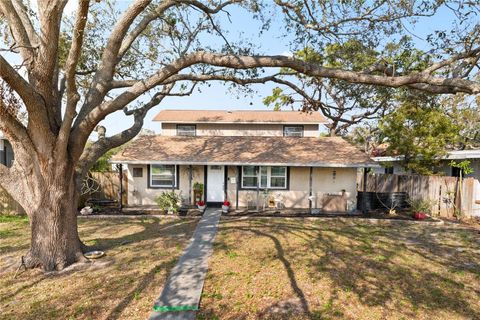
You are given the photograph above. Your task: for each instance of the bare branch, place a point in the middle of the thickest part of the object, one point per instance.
(17, 23)
(70, 66)
(96, 150)
(109, 60)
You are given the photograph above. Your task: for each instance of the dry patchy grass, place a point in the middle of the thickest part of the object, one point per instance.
(329, 269)
(124, 284)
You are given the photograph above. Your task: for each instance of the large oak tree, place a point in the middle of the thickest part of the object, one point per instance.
(69, 74)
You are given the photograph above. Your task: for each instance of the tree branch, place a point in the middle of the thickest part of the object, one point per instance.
(104, 74)
(96, 150)
(70, 66)
(16, 22)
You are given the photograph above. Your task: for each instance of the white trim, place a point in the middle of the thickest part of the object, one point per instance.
(277, 164)
(457, 154)
(2, 144)
(163, 186)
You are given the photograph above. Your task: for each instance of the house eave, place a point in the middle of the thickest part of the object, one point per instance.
(452, 155)
(292, 164)
(243, 122)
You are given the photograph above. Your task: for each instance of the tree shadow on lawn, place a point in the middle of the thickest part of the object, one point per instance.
(368, 261)
(168, 233)
(141, 286)
(152, 228)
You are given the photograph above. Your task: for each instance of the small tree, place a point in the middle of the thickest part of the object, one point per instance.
(420, 132)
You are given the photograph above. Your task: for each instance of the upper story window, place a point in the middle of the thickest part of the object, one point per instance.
(186, 130)
(293, 131)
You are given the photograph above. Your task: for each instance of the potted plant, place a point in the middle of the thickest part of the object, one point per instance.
(201, 205)
(420, 208)
(198, 191)
(225, 206)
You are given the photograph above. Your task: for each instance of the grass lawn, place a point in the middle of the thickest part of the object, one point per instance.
(329, 269)
(122, 285)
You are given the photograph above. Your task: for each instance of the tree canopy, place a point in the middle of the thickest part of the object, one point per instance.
(420, 132)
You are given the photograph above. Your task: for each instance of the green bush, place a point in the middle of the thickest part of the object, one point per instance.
(421, 205)
(168, 200)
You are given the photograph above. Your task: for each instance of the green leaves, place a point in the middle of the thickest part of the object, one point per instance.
(278, 99)
(421, 131)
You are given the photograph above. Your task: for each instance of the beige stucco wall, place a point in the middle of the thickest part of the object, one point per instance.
(295, 197)
(140, 194)
(211, 129)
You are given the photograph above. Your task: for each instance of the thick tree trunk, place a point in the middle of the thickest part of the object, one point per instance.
(55, 243)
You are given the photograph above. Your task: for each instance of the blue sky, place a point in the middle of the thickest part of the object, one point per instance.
(218, 96)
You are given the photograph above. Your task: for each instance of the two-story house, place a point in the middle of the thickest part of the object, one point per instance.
(6, 151)
(238, 155)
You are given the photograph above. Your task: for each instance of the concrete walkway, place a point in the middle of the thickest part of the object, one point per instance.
(182, 292)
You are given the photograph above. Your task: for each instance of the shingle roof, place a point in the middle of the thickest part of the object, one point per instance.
(239, 116)
(227, 150)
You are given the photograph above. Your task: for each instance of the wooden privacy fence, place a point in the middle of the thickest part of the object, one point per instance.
(106, 186)
(443, 192)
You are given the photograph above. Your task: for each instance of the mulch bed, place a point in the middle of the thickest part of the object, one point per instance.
(193, 212)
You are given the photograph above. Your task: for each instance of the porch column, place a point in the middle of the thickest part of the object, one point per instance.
(190, 178)
(364, 197)
(238, 187)
(258, 187)
(310, 192)
(120, 189)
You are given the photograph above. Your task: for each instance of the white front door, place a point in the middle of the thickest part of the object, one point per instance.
(215, 183)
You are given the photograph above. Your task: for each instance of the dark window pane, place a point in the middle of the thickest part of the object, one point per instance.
(277, 182)
(162, 182)
(249, 171)
(137, 172)
(293, 131)
(278, 171)
(185, 130)
(249, 182)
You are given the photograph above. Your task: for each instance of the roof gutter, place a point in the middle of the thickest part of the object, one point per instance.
(321, 165)
(242, 122)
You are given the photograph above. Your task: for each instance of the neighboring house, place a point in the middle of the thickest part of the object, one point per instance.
(239, 155)
(6, 151)
(391, 164)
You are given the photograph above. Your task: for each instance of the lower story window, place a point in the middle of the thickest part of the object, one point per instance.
(164, 176)
(269, 177)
